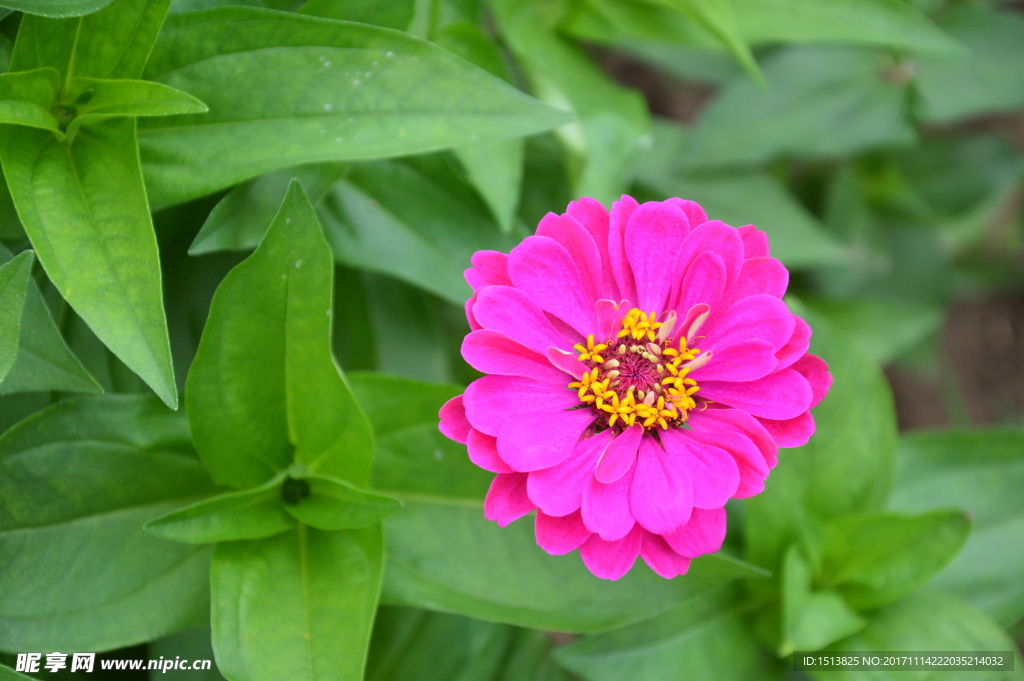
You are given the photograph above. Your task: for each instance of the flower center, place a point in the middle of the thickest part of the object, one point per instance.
(640, 376)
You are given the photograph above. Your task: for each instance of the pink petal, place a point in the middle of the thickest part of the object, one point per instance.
(692, 315)
(490, 268)
(755, 242)
(492, 400)
(566, 362)
(703, 282)
(544, 270)
(815, 370)
(695, 215)
(618, 457)
(704, 533)
(758, 275)
(751, 466)
(609, 317)
(474, 325)
(714, 236)
(611, 559)
(560, 535)
(594, 218)
(796, 346)
(558, 490)
(653, 237)
(759, 317)
(660, 557)
(606, 507)
(483, 451)
(492, 352)
(506, 500)
(581, 247)
(454, 424)
(661, 496)
(782, 395)
(736, 421)
(714, 474)
(623, 275)
(512, 312)
(530, 442)
(794, 432)
(743, 361)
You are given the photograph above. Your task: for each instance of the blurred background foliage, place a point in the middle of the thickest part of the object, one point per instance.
(880, 143)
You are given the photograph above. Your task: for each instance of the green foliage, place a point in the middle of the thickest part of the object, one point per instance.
(14, 276)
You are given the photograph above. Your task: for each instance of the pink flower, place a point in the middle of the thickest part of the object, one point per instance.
(642, 370)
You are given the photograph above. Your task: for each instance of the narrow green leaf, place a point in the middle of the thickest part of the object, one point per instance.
(96, 99)
(248, 514)
(14, 278)
(811, 618)
(285, 89)
(78, 481)
(56, 8)
(877, 559)
(337, 505)
(983, 473)
(719, 17)
(26, 97)
(263, 389)
(297, 606)
(392, 14)
(84, 208)
(44, 361)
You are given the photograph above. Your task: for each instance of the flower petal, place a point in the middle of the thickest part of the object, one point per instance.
(815, 370)
(490, 268)
(661, 494)
(506, 499)
(695, 215)
(757, 275)
(752, 469)
(782, 395)
(755, 242)
(714, 474)
(793, 432)
(704, 533)
(595, 219)
(581, 248)
(483, 451)
(703, 282)
(511, 312)
(609, 317)
(621, 212)
(611, 559)
(619, 455)
(758, 317)
(740, 362)
(474, 325)
(492, 400)
(544, 270)
(454, 424)
(492, 352)
(536, 440)
(660, 557)
(653, 236)
(558, 490)
(797, 345)
(606, 507)
(566, 362)
(560, 535)
(714, 236)
(736, 421)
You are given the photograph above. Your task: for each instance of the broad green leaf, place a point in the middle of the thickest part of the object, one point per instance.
(96, 99)
(263, 388)
(706, 636)
(925, 621)
(981, 472)
(811, 618)
(14, 278)
(192, 644)
(78, 481)
(391, 14)
(10, 225)
(720, 19)
(240, 219)
(337, 505)
(247, 514)
(285, 89)
(84, 208)
(8, 674)
(297, 606)
(26, 97)
(879, 558)
(111, 43)
(44, 361)
(881, 329)
(988, 77)
(820, 102)
(56, 8)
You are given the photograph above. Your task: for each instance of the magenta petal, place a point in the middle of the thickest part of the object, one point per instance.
(815, 370)
(536, 440)
(492, 400)
(512, 312)
(490, 268)
(717, 237)
(611, 559)
(595, 219)
(454, 424)
(581, 247)
(703, 282)
(660, 557)
(558, 490)
(695, 215)
(736, 421)
(796, 346)
(619, 456)
(492, 352)
(755, 242)
(506, 499)
(544, 270)
(793, 432)
(606, 507)
(751, 465)
(653, 236)
(661, 496)
(780, 396)
(621, 212)
(760, 317)
(763, 275)
(704, 533)
(474, 325)
(743, 361)
(560, 535)
(566, 362)
(609, 316)
(483, 451)
(714, 474)
(692, 315)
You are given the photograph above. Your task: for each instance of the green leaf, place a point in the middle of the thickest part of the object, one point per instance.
(392, 14)
(44, 361)
(193, 644)
(77, 482)
(263, 388)
(26, 97)
(811, 618)
(720, 18)
(56, 8)
(285, 89)
(925, 621)
(248, 514)
(8, 674)
(879, 558)
(881, 329)
(981, 472)
(296, 606)
(820, 102)
(95, 99)
(337, 505)
(14, 278)
(84, 208)
(707, 636)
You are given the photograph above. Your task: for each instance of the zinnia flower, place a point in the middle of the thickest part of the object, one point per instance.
(642, 370)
